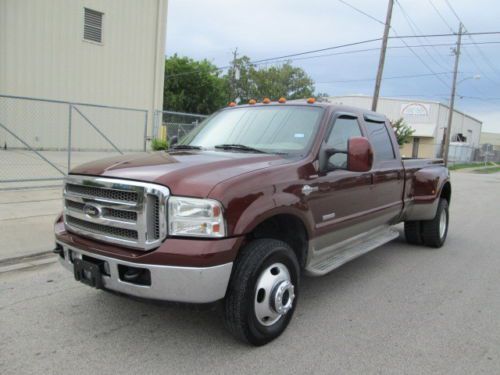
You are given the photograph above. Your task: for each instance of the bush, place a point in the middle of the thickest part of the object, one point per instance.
(159, 144)
(402, 130)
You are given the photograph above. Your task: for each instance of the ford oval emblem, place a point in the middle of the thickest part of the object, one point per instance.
(92, 211)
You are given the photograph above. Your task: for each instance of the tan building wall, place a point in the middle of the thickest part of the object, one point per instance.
(427, 148)
(44, 55)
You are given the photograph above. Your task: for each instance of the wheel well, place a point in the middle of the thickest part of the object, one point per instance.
(446, 192)
(287, 228)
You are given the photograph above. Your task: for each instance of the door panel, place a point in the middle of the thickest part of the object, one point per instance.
(388, 173)
(342, 198)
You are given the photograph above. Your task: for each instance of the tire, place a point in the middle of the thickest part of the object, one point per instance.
(263, 264)
(433, 233)
(413, 233)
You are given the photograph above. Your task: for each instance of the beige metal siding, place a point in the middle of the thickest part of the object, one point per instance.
(44, 54)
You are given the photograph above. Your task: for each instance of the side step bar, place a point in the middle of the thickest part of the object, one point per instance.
(353, 249)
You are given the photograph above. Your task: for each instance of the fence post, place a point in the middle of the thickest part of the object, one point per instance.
(69, 135)
(145, 129)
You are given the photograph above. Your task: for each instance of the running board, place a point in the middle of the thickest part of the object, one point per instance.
(342, 255)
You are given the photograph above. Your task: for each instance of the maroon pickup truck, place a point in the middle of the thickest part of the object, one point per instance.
(244, 205)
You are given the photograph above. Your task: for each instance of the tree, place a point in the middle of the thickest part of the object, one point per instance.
(193, 86)
(285, 80)
(402, 130)
(272, 82)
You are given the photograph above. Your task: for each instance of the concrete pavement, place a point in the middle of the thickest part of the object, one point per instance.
(400, 309)
(26, 221)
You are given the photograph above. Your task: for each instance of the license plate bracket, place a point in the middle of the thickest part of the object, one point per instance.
(88, 273)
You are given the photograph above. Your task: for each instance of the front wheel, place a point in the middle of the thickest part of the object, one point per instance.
(263, 291)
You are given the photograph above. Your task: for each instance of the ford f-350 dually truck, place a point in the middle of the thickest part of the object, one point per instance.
(240, 208)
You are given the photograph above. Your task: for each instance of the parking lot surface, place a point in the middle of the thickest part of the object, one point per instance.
(400, 309)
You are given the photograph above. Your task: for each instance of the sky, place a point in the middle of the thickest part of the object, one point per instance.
(212, 29)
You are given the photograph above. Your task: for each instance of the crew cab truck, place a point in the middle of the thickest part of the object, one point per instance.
(240, 208)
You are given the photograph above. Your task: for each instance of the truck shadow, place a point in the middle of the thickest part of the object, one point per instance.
(196, 327)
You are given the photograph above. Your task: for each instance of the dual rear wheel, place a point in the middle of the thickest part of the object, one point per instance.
(430, 233)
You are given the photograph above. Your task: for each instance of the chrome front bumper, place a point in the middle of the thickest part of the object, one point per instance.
(168, 283)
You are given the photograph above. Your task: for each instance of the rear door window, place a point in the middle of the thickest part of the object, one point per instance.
(380, 140)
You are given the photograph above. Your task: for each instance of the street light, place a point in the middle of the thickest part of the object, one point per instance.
(475, 76)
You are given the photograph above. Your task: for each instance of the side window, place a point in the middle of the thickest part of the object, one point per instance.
(380, 140)
(343, 129)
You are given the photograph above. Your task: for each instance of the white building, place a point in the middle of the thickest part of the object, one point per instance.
(106, 52)
(429, 119)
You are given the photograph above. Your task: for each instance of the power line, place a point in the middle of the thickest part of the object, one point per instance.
(317, 50)
(455, 13)
(415, 29)
(422, 60)
(410, 22)
(362, 12)
(256, 62)
(441, 16)
(485, 58)
(386, 78)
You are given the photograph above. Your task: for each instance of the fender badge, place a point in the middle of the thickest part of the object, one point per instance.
(306, 189)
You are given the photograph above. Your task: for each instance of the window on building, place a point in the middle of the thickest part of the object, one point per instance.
(380, 140)
(92, 25)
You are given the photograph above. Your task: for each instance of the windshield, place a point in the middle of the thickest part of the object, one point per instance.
(273, 129)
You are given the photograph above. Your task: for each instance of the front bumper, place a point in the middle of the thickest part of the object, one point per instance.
(168, 283)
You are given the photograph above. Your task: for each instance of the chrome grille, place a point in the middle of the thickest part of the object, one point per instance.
(118, 211)
(99, 228)
(118, 195)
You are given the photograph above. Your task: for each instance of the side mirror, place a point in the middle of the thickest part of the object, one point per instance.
(357, 158)
(173, 140)
(359, 154)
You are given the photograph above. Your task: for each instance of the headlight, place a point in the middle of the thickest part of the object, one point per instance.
(195, 217)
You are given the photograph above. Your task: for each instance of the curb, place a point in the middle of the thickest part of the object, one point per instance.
(27, 261)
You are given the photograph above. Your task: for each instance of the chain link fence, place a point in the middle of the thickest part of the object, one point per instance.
(169, 123)
(40, 140)
(459, 152)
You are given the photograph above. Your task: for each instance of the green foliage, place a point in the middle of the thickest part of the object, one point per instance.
(158, 144)
(402, 130)
(196, 86)
(193, 86)
(272, 82)
(476, 164)
(487, 170)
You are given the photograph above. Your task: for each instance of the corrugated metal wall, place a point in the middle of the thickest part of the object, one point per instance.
(43, 54)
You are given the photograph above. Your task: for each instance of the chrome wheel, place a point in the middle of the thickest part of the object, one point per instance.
(443, 223)
(274, 294)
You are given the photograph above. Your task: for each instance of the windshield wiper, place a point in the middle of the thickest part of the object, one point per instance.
(185, 147)
(231, 146)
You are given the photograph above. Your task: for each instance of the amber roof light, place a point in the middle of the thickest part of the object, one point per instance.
(266, 101)
(252, 101)
(311, 100)
(232, 104)
(282, 100)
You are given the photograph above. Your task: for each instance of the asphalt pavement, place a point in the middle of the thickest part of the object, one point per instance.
(400, 309)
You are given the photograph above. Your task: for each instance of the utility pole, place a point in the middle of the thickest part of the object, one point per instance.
(233, 92)
(456, 51)
(381, 62)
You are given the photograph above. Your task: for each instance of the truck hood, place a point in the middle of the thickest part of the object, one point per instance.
(190, 173)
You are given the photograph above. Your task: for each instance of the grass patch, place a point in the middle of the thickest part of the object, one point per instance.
(454, 167)
(487, 170)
